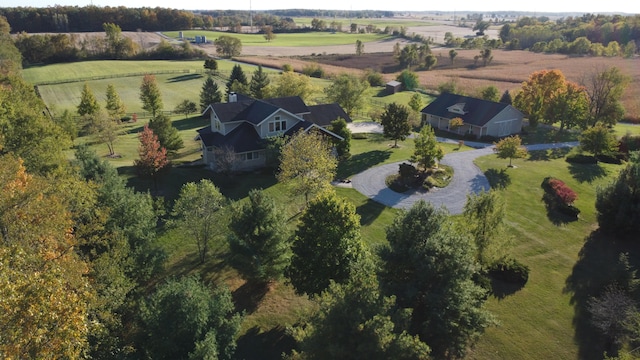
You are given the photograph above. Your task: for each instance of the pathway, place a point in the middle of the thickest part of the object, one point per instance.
(467, 179)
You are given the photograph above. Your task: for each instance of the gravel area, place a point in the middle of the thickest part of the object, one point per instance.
(467, 179)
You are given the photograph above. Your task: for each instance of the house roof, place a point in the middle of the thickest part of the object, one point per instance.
(324, 114)
(394, 83)
(293, 104)
(242, 139)
(472, 111)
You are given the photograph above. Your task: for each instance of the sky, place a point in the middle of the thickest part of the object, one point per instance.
(538, 6)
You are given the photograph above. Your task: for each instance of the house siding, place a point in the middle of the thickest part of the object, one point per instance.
(290, 120)
(507, 122)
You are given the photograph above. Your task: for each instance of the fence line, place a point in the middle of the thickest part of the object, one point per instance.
(114, 76)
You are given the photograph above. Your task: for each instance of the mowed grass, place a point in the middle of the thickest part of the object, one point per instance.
(174, 87)
(323, 38)
(537, 321)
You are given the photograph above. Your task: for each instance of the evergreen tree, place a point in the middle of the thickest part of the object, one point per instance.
(236, 74)
(429, 267)
(167, 134)
(327, 245)
(88, 103)
(150, 95)
(259, 83)
(258, 240)
(506, 98)
(211, 65)
(210, 93)
(115, 107)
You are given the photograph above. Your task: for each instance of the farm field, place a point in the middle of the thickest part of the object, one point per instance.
(289, 40)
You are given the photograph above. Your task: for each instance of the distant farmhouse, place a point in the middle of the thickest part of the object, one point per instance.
(243, 125)
(480, 117)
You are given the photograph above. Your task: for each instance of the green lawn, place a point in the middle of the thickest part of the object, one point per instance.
(290, 40)
(538, 320)
(622, 129)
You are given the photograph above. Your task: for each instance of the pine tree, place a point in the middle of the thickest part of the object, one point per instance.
(150, 95)
(210, 93)
(236, 74)
(115, 107)
(258, 240)
(88, 103)
(168, 135)
(259, 83)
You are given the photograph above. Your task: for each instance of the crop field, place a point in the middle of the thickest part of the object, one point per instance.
(323, 38)
(380, 23)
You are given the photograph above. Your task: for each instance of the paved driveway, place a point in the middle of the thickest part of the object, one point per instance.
(467, 178)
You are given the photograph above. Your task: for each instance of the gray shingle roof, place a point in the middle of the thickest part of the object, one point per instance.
(324, 114)
(477, 111)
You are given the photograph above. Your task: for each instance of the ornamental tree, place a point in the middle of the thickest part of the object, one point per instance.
(427, 152)
(510, 148)
(153, 158)
(395, 122)
(150, 95)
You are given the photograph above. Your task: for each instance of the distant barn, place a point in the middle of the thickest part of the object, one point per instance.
(393, 87)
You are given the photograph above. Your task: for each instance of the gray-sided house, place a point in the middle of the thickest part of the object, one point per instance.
(243, 125)
(480, 117)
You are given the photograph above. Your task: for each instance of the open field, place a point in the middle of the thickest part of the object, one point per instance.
(507, 70)
(323, 38)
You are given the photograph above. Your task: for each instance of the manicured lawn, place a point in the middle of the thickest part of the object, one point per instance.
(622, 129)
(538, 320)
(324, 38)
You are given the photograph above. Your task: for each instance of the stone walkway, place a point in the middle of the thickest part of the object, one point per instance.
(467, 179)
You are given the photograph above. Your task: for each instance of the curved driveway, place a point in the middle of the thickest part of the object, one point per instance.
(467, 178)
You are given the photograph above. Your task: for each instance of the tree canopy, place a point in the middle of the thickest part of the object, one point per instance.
(427, 152)
(510, 148)
(88, 104)
(150, 95)
(327, 245)
(348, 91)
(395, 122)
(168, 135)
(228, 46)
(598, 140)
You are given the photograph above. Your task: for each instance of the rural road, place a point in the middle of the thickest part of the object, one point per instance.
(467, 179)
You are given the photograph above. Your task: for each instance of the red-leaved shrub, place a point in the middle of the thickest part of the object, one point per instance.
(562, 192)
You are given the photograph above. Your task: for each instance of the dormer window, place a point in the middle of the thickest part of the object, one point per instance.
(457, 109)
(277, 125)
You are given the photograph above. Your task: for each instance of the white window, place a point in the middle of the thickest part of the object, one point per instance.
(277, 125)
(250, 156)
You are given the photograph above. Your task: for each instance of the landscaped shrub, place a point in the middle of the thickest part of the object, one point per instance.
(628, 143)
(407, 171)
(581, 159)
(509, 270)
(375, 78)
(610, 159)
(313, 70)
(562, 196)
(287, 68)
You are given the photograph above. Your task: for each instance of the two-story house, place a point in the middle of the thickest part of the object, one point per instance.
(243, 124)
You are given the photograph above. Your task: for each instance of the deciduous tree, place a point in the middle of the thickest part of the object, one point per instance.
(570, 107)
(430, 61)
(359, 47)
(186, 107)
(104, 130)
(427, 152)
(409, 79)
(510, 148)
(150, 95)
(228, 46)
(339, 127)
(268, 33)
(415, 103)
(536, 93)
(184, 319)
(153, 157)
(291, 84)
(259, 242)
(490, 93)
(210, 93)
(198, 212)
(327, 245)
(348, 91)
(598, 140)
(395, 122)
(307, 164)
(617, 202)
(452, 55)
(484, 215)
(429, 267)
(605, 88)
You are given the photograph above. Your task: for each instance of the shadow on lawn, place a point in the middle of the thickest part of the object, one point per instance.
(501, 289)
(598, 266)
(546, 155)
(249, 296)
(268, 345)
(369, 211)
(498, 179)
(193, 122)
(184, 78)
(587, 172)
(361, 162)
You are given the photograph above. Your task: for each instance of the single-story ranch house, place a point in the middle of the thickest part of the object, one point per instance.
(242, 124)
(480, 117)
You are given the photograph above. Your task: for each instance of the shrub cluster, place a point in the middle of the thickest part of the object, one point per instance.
(509, 270)
(627, 144)
(562, 196)
(313, 70)
(581, 159)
